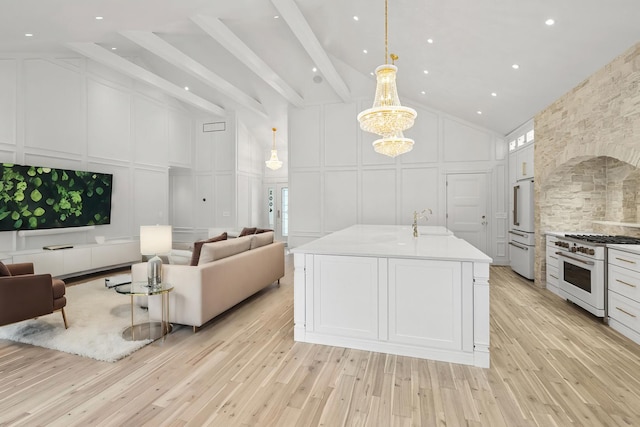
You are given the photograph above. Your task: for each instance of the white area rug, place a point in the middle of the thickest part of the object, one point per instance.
(96, 317)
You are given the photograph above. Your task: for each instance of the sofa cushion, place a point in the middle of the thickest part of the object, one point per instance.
(246, 231)
(262, 239)
(179, 257)
(218, 250)
(197, 247)
(4, 271)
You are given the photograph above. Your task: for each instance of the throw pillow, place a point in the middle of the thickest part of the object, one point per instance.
(246, 231)
(261, 239)
(197, 247)
(179, 257)
(4, 271)
(218, 250)
(263, 230)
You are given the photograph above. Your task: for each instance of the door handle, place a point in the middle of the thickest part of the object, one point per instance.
(515, 205)
(575, 259)
(524, 248)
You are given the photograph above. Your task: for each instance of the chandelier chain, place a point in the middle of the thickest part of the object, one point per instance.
(386, 31)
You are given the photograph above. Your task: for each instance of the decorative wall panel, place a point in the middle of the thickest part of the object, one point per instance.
(8, 101)
(54, 115)
(108, 122)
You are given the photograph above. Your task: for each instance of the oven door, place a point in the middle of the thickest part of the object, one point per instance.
(582, 281)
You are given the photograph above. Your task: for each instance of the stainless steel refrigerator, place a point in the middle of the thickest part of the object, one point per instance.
(521, 237)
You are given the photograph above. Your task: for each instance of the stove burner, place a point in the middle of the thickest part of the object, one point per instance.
(603, 239)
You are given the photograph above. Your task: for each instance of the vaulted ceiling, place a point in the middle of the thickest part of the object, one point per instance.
(257, 57)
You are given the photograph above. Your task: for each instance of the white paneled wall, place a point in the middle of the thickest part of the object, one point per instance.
(76, 114)
(337, 180)
(109, 139)
(54, 109)
(8, 89)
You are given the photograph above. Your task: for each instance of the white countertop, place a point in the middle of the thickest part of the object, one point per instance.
(634, 249)
(395, 241)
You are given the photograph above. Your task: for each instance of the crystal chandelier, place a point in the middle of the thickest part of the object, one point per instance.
(273, 163)
(388, 118)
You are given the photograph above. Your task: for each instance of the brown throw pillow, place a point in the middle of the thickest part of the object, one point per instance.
(263, 230)
(197, 247)
(246, 231)
(4, 271)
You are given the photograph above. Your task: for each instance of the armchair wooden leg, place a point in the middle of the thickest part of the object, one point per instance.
(64, 317)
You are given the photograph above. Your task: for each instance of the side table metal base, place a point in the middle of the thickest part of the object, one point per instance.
(146, 331)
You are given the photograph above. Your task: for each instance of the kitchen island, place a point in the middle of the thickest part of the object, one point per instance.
(378, 288)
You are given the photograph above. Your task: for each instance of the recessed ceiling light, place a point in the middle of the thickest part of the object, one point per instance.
(479, 112)
(426, 71)
(423, 92)
(371, 73)
(494, 94)
(430, 41)
(314, 69)
(355, 18)
(28, 35)
(99, 18)
(114, 48)
(550, 22)
(364, 50)
(276, 16)
(186, 88)
(515, 66)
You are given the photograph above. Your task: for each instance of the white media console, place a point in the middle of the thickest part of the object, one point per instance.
(80, 259)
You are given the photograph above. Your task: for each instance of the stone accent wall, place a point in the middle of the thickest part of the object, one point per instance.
(588, 134)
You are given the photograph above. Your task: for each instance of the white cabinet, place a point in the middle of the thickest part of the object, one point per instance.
(624, 293)
(414, 307)
(344, 302)
(425, 301)
(44, 262)
(524, 163)
(553, 264)
(81, 259)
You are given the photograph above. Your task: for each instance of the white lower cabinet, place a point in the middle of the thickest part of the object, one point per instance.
(553, 273)
(425, 303)
(344, 303)
(81, 259)
(624, 293)
(414, 307)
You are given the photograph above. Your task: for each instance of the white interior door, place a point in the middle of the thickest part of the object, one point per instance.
(467, 214)
(278, 210)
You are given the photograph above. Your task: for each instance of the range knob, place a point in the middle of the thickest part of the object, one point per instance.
(573, 249)
(591, 251)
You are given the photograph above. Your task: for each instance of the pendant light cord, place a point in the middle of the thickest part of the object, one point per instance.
(386, 32)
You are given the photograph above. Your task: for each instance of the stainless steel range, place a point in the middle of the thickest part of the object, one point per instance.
(582, 268)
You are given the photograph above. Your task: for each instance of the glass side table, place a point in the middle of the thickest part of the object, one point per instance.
(150, 330)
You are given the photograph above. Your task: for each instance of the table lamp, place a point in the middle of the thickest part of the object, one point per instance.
(154, 240)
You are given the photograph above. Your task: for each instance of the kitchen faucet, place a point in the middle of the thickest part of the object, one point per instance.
(416, 216)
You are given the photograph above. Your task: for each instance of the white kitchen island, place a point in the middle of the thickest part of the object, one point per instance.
(377, 288)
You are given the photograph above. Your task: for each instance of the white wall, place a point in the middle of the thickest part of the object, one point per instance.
(76, 114)
(337, 180)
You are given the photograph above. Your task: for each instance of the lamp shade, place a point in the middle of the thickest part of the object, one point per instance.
(155, 239)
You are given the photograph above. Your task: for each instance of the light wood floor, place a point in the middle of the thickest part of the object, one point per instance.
(551, 364)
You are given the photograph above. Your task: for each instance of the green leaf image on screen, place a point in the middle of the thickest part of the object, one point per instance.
(34, 197)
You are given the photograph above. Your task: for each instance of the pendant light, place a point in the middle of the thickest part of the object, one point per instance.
(388, 118)
(274, 163)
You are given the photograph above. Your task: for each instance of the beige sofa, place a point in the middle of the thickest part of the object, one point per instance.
(237, 269)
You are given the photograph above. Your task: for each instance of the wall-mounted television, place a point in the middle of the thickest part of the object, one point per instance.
(37, 197)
